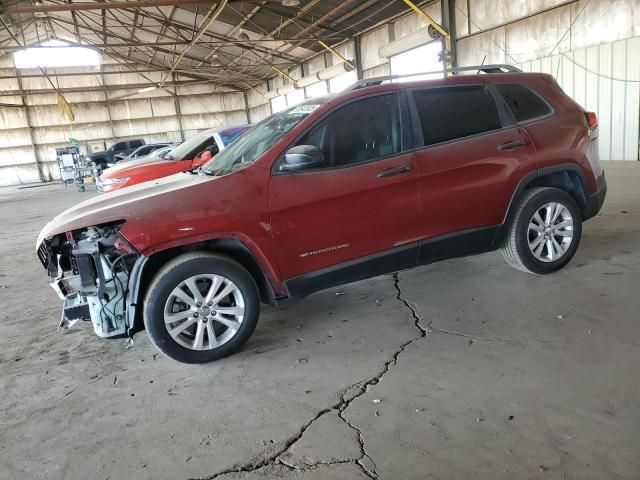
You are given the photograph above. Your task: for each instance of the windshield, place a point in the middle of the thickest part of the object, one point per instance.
(250, 146)
(190, 148)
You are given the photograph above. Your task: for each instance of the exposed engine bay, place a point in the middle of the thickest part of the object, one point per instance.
(89, 270)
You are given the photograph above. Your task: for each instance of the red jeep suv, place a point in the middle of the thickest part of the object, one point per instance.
(380, 178)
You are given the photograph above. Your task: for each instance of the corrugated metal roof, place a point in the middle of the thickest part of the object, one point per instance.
(160, 36)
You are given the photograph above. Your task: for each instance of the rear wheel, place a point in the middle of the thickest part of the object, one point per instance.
(201, 307)
(545, 231)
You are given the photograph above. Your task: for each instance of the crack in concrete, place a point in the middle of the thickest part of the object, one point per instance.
(316, 465)
(430, 327)
(345, 398)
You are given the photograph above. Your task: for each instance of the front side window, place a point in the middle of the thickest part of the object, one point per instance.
(451, 113)
(523, 103)
(358, 132)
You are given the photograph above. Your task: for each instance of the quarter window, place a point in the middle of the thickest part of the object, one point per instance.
(451, 113)
(523, 103)
(358, 132)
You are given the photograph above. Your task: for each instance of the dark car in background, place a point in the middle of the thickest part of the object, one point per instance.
(124, 147)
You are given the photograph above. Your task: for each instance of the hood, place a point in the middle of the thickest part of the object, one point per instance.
(122, 169)
(132, 202)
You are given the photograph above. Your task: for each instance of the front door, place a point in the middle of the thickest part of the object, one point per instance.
(356, 215)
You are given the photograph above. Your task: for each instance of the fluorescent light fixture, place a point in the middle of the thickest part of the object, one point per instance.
(146, 89)
(55, 53)
(406, 43)
(286, 89)
(334, 71)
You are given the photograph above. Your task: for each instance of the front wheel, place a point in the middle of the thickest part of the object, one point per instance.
(201, 307)
(545, 231)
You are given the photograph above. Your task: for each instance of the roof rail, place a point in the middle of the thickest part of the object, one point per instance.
(496, 68)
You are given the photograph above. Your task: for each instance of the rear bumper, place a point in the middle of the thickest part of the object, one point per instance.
(596, 200)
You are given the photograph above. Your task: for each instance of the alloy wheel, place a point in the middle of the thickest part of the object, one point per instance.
(550, 232)
(204, 312)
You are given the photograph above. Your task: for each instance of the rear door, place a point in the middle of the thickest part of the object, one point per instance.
(472, 157)
(363, 201)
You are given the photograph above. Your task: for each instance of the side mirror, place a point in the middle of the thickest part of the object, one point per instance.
(302, 157)
(205, 156)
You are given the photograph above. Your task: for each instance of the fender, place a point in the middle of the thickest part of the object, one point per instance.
(272, 291)
(532, 177)
(272, 275)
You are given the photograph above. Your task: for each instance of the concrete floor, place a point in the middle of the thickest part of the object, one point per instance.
(459, 370)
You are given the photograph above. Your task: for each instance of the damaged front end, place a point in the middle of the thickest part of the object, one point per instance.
(90, 271)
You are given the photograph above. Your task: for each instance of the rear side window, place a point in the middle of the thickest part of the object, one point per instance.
(451, 113)
(523, 103)
(358, 132)
(136, 143)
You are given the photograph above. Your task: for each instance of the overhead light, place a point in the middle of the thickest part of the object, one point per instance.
(404, 44)
(290, 3)
(308, 80)
(284, 90)
(215, 61)
(146, 89)
(243, 37)
(334, 71)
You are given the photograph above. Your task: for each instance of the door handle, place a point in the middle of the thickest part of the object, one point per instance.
(512, 145)
(389, 172)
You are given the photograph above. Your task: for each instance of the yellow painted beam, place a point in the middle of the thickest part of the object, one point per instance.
(328, 48)
(284, 74)
(426, 17)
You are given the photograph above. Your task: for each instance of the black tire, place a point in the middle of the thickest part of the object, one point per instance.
(516, 249)
(180, 269)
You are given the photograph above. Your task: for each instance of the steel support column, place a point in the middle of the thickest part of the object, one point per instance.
(176, 105)
(27, 114)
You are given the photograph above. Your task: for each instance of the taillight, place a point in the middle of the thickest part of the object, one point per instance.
(592, 120)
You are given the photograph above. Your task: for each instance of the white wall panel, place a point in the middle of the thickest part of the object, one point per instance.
(12, 118)
(315, 65)
(379, 71)
(370, 44)
(541, 36)
(604, 79)
(14, 137)
(412, 22)
(259, 113)
(488, 47)
(17, 175)
(347, 50)
(143, 127)
(16, 155)
(490, 13)
(129, 109)
(195, 104)
(632, 103)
